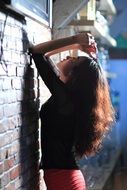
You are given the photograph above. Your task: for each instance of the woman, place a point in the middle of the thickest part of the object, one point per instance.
(77, 115)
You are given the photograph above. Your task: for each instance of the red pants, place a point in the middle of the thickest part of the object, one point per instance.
(60, 179)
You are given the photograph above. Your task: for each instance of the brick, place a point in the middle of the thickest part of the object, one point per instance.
(15, 57)
(12, 109)
(2, 16)
(16, 83)
(19, 118)
(1, 112)
(20, 71)
(1, 167)
(7, 55)
(11, 70)
(2, 140)
(3, 70)
(16, 31)
(11, 20)
(19, 95)
(25, 59)
(14, 128)
(17, 157)
(4, 180)
(12, 45)
(18, 45)
(1, 83)
(8, 163)
(10, 96)
(3, 125)
(15, 147)
(10, 186)
(18, 183)
(22, 58)
(7, 30)
(14, 173)
(1, 97)
(8, 137)
(7, 84)
(19, 24)
(16, 134)
(13, 122)
(8, 45)
(5, 138)
(5, 44)
(4, 152)
(11, 160)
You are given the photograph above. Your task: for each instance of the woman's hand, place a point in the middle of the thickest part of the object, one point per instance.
(86, 43)
(91, 50)
(85, 39)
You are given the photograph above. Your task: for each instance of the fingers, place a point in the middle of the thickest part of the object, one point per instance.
(91, 39)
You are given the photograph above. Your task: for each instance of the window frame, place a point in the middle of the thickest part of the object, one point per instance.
(26, 8)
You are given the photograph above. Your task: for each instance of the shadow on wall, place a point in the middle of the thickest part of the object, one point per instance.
(29, 144)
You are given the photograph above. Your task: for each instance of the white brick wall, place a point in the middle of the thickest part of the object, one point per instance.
(19, 146)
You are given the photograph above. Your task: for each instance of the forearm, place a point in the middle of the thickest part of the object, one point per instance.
(54, 45)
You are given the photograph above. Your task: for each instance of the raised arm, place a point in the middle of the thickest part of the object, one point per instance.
(62, 44)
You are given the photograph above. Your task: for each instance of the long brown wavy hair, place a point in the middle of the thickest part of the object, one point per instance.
(94, 113)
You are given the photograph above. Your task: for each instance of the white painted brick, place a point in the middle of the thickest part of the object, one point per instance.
(8, 136)
(11, 20)
(3, 69)
(5, 42)
(16, 134)
(1, 83)
(2, 16)
(1, 112)
(7, 56)
(19, 95)
(3, 153)
(12, 109)
(10, 96)
(11, 84)
(1, 97)
(8, 43)
(13, 122)
(3, 125)
(5, 179)
(11, 70)
(15, 147)
(17, 32)
(20, 71)
(18, 45)
(7, 84)
(7, 30)
(2, 140)
(15, 57)
(19, 119)
(16, 83)
(18, 23)
(22, 58)
(18, 183)
(27, 59)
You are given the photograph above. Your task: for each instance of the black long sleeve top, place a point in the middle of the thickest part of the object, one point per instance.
(57, 120)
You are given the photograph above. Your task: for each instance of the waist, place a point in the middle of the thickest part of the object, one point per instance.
(64, 179)
(58, 155)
